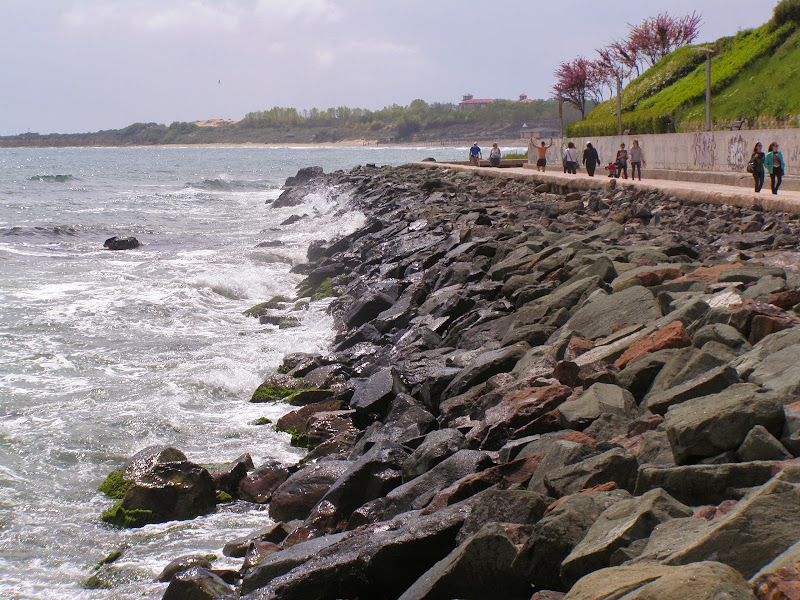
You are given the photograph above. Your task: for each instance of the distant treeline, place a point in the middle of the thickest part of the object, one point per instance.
(417, 121)
(416, 116)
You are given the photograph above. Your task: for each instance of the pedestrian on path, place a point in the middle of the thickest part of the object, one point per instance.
(757, 159)
(571, 158)
(637, 159)
(622, 162)
(775, 165)
(475, 155)
(590, 158)
(494, 156)
(541, 151)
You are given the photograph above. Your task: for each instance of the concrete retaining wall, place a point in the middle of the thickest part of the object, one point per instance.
(707, 157)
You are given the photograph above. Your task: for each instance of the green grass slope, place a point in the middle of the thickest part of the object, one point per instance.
(755, 75)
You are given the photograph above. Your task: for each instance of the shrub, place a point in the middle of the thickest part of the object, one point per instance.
(785, 12)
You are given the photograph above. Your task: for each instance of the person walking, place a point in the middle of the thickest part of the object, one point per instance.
(494, 156)
(757, 159)
(637, 159)
(590, 158)
(541, 161)
(622, 162)
(571, 158)
(475, 155)
(775, 165)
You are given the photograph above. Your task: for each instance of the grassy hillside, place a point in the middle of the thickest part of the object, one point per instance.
(755, 75)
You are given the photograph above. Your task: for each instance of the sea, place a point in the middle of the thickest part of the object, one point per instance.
(103, 353)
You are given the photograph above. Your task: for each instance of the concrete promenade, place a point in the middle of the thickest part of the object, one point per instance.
(711, 193)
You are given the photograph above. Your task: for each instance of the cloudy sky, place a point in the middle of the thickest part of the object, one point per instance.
(85, 65)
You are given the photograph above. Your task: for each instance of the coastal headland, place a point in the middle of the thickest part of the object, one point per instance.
(538, 389)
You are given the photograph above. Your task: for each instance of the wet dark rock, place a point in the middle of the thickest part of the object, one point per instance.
(259, 485)
(227, 479)
(273, 533)
(121, 243)
(478, 568)
(197, 583)
(182, 564)
(296, 496)
(163, 491)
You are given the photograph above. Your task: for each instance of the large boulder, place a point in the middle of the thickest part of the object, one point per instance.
(485, 366)
(762, 525)
(197, 583)
(616, 465)
(163, 491)
(477, 569)
(259, 485)
(599, 316)
(296, 496)
(558, 532)
(705, 484)
(709, 425)
(121, 243)
(598, 399)
(651, 581)
(374, 561)
(710, 382)
(617, 527)
(436, 447)
(417, 493)
(371, 476)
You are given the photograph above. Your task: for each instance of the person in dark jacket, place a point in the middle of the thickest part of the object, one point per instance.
(757, 158)
(590, 158)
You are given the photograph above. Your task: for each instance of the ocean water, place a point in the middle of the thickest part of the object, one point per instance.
(103, 353)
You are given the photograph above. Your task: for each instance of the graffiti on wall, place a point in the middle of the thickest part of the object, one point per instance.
(737, 153)
(703, 148)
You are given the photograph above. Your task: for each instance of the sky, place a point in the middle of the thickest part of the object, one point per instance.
(73, 66)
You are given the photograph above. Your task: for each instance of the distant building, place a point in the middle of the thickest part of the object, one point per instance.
(467, 101)
(538, 132)
(524, 98)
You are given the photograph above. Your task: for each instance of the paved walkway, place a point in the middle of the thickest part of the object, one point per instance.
(784, 201)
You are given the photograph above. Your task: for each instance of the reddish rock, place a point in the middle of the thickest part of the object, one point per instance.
(783, 584)
(517, 409)
(785, 300)
(763, 325)
(756, 320)
(708, 274)
(673, 335)
(326, 425)
(655, 277)
(649, 424)
(301, 534)
(516, 472)
(709, 513)
(578, 437)
(576, 347)
(549, 421)
(228, 479)
(597, 374)
(567, 373)
(297, 420)
(259, 485)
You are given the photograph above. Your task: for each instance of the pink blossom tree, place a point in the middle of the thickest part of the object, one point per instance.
(658, 36)
(573, 80)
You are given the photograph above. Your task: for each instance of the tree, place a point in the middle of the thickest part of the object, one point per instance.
(657, 36)
(572, 80)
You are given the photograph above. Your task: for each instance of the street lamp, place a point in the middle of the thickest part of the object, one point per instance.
(708, 52)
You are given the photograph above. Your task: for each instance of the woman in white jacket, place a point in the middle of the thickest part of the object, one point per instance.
(571, 159)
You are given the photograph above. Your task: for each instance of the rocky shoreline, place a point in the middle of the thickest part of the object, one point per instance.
(533, 392)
